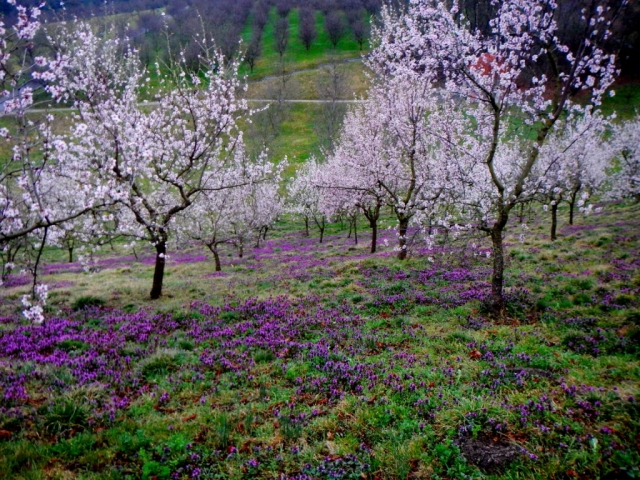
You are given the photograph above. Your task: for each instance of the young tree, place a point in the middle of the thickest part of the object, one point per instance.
(572, 161)
(335, 27)
(281, 36)
(305, 197)
(348, 187)
(233, 217)
(360, 30)
(260, 13)
(253, 51)
(517, 72)
(283, 7)
(153, 161)
(307, 28)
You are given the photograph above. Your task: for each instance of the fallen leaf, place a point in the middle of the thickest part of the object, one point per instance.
(475, 354)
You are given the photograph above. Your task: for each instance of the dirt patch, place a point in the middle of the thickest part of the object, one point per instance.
(487, 453)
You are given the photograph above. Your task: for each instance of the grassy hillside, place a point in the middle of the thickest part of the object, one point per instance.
(307, 360)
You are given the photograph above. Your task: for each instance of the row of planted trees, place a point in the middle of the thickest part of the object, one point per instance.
(459, 128)
(465, 126)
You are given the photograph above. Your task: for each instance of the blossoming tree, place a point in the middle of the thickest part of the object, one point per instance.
(305, 198)
(571, 168)
(515, 80)
(153, 161)
(34, 184)
(391, 152)
(233, 217)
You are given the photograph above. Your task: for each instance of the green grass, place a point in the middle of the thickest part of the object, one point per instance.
(625, 103)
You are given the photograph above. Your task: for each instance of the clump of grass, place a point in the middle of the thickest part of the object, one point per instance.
(222, 429)
(161, 362)
(88, 301)
(66, 417)
(72, 346)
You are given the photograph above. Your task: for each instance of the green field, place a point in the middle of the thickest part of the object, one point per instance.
(297, 57)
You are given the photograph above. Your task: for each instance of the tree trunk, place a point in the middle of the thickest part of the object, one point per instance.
(402, 239)
(216, 259)
(158, 273)
(213, 248)
(306, 226)
(572, 204)
(70, 249)
(355, 229)
(571, 207)
(373, 223)
(321, 227)
(497, 276)
(554, 221)
(521, 213)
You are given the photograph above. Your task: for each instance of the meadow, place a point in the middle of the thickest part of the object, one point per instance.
(304, 360)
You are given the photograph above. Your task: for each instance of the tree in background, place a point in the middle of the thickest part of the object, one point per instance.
(571, 168)
(253, 51)
(233, 217)
(393, 141)
(360, 30)
(281, 36)
(260, 14)
(335, 27)
(350, 175)
(305, 196)
(307, 27)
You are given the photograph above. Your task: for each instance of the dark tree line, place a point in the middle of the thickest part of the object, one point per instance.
(225, 20)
